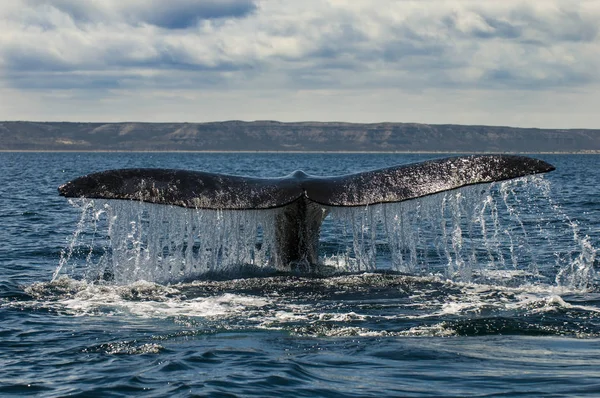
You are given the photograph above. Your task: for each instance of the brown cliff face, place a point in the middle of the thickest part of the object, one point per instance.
(299, 136)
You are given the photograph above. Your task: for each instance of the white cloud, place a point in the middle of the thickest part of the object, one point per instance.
(393, 53)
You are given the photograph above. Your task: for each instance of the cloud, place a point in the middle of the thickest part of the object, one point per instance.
(459, 45)
(99, 46)
(173, 14)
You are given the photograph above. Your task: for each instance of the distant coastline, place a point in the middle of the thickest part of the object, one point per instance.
(294, 137)
(300, 152)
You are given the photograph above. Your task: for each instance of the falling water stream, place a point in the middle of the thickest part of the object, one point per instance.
(492, 233)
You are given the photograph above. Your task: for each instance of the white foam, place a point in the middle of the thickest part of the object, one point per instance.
(142, 299)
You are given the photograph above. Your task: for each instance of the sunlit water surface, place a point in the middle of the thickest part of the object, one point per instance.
(485, 291)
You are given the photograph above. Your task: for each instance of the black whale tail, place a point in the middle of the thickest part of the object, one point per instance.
(305, 199)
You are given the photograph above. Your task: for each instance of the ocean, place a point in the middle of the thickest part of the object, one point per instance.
(486, 291)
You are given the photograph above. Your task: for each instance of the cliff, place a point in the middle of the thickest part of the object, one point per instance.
(298, 136)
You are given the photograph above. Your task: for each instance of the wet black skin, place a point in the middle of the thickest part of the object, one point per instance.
(304, 199)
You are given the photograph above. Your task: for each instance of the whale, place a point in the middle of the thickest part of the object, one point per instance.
(304, 200)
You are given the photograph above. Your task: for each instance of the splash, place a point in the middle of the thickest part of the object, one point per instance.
(501, 233)
(366, 304)
(504, 233)
(163, 244)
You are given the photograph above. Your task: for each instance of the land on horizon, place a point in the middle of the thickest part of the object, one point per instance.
(274, 136)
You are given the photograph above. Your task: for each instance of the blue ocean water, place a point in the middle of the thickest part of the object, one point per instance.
(488, 293)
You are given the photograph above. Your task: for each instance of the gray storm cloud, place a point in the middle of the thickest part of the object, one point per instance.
(173, 14)
(101, 45)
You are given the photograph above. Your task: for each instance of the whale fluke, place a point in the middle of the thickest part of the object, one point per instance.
(305, 198)
(203, 190)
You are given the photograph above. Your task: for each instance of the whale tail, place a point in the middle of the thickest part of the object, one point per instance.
(306, 199)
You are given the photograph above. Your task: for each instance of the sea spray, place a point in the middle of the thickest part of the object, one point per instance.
(139, 241)
(492, 233)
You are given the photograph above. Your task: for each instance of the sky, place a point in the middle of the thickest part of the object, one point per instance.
(493, 62)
